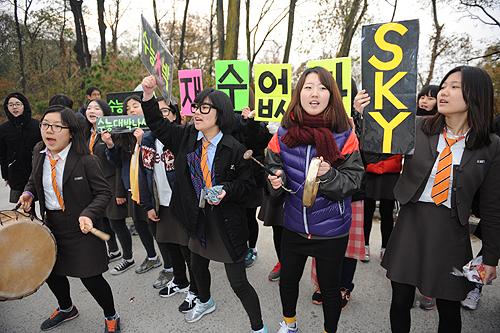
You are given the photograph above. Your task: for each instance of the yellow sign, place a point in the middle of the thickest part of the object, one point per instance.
(273, 91)
(341, 71)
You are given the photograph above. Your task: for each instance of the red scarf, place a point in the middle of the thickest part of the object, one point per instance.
(315, 131)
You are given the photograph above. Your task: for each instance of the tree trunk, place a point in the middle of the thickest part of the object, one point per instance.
(247, 31)
(81, 45)
(20, 45)
(435, 42)
(233, 29)
(351, 26)
(102, 29)
(211, 54)
(157, 23)
(181, 51)
(291, 14)
(114, 29)
(220, 27)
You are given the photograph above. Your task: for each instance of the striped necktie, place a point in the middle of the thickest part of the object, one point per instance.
(204, 164)
(441, 185)
(92, 142)
(54, 181)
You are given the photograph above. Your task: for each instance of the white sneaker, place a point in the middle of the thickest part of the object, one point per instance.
(367, 254)
(189, 302)
(199, 310)
(382, 252)
(286, 329)
(472, 299)
(172, 288)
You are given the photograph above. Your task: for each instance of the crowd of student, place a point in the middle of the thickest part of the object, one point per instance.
(188, 188)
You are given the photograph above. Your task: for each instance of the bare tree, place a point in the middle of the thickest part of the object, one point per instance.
(288, 45)
(220, 28)
(81, 47)
(102, 29)
(232, 29)
(20, 46)
(436, 39)
(183, 36)
(352, 22)
(157, 23)
(486, 7)
(212, 40)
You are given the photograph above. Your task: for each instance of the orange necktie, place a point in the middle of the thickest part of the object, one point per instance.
(204, 164)
(54, 181)
(441, 185)
(92, 142)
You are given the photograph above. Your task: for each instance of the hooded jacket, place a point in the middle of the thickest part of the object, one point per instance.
(18, 136)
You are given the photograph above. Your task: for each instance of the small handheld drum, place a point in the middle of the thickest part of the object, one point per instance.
(27, 252)
(311, 183)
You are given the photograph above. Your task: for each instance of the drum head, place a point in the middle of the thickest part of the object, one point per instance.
(28, 254)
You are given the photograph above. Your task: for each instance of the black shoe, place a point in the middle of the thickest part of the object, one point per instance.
(58, 317)
(188, 303)
(114, 257)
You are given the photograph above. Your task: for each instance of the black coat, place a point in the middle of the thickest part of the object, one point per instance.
(231, 171)
(18, 136)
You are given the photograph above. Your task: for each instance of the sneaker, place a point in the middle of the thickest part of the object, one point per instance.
(367, 254)
(382, 252)
(285, 329)
(148, 265)
(316, 297)
(346, 296)
(415, 302)
(163, 279)
(122, 267)
(262, 330)
(275, 273)
(189, 302)
(200, 310)
(114, 257)
(172, 288)
(58, 318)
(250, 258)
(112, 326)
(472, 299)
(427, 303)
(132, 229)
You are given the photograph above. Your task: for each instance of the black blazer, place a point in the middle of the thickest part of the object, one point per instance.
(479, 170)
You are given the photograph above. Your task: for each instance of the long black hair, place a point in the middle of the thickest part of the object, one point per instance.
(223, 105)
(69, 119)
(106, 110)
(432, 91)
(477, 90)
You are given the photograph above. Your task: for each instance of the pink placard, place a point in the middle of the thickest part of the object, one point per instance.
(191, 85)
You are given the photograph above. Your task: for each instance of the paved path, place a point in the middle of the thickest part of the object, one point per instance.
(368, 310)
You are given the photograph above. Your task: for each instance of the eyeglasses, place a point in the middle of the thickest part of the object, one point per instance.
(204, 108)
(166, 111)
(53, 128)
(11, 105)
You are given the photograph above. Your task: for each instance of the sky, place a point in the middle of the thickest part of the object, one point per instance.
(381, 11)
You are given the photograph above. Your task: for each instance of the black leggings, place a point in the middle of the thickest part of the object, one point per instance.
(386, 208)
(237, 276)
(450, 320)
(277, 232)
(161, 246)
(253, 227)
(96, 285)
(180, 256)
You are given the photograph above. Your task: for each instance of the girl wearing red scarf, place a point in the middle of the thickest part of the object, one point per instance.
(314, 125)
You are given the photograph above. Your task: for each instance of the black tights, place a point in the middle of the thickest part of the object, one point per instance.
(386, 208)
(253, 227)
(450, 320)
(277, 231)
(96, 285)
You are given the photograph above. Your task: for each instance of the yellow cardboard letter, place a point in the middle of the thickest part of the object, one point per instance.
(394, 49)
(388, 127)
(382, 90)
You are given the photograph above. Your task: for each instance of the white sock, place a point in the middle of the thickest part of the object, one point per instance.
(66, 310)
(254, 249)
(113, 317)
(169, 270)
(115, 253)
(130, 260)
(154, 258)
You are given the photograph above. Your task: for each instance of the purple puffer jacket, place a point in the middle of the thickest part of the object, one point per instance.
(327, 217)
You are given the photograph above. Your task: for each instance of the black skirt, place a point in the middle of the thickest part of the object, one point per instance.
(168, 230)
(271, 211)
(425, 244)
(380, 186)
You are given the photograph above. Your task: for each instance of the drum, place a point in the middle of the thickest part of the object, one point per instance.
(27, 252)
(311, 183)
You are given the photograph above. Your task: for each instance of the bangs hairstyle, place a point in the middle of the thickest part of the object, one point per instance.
(477, 90)
(60, 99)
(430, 90)
(174, 107)
(69, 119)
(223, 105)
(134, 97)
(106, 111)
(334, 114)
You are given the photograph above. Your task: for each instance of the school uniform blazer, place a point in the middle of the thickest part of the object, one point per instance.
(479, 170)
(85, 190)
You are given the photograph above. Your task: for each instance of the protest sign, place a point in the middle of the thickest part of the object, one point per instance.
(121, 124)
(115, 101)
(190, 85)
(341, 71)
(389, 70)
(231, 77)
(273, 91)
(157, 59)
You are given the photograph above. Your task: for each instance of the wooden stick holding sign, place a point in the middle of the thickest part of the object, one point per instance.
(157, 59)
(389, 70)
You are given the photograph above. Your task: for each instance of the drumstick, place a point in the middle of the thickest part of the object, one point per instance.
(102, 235)
(248, 154)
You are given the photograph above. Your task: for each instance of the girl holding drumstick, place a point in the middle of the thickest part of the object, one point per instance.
(431, 235)
(72, 190)
(315, 124)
